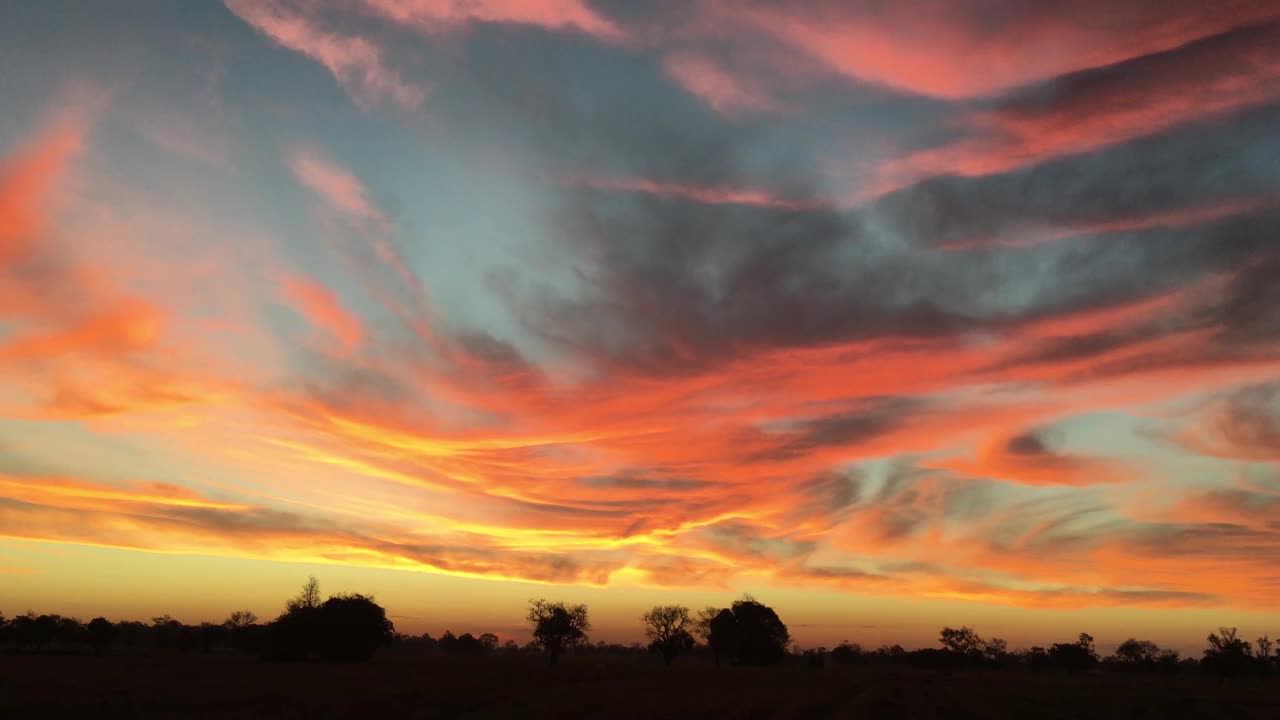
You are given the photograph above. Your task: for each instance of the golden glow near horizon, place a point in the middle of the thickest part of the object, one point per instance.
(302, 299)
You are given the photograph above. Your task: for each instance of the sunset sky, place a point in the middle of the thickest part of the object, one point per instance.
(894, 315)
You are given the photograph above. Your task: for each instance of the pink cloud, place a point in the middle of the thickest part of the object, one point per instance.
(724, 91)
(436, 16)
(354, 61)
(961, 49)
(335, 184)
(704, 194)
(1092, 112)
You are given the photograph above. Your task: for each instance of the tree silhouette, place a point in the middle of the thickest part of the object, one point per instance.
(996, 651)
(343, 628)
(352, 626)
(962, 641)
(240, 619)
(1227, 654)
(722, 634)
(750, 633)
(1265, 646)
(100, 632)
(1079, 655)
(557, 627)
(1136, 653)
(667, 627)
(847, 653)
(308, 598)
(35, 631)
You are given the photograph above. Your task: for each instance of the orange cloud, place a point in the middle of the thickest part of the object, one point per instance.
(26, 178)
(322, 307)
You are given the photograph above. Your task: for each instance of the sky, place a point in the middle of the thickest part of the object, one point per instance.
(895, 315)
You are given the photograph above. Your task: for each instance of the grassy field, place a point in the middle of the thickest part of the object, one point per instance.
(214, 687)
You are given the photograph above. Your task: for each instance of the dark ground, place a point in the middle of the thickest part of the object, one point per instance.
(218, 687)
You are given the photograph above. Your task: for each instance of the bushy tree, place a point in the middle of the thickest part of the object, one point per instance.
(343, 628)
(557, 627)
(722, 635)
(667, 627)
(1037, 658)
(1137, 653)
(996, 651)
(1227, 654)
(847, 653)
(1079, 655)
(962, 641)
(750, 633)
(101, 632)
(467, 644)
(240, 619)
(352, 626)
(35, 632)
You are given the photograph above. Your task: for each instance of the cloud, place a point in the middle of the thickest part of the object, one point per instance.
(725, 92)
(334, 184)
(323, 308)
(1093, 109)
(356, 62)
(27, 177)
(705, 194)
(58, 510)
(75, 351)
(917, 46)
(433, 17)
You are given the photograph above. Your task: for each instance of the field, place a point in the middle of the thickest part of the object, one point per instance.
(217, 687)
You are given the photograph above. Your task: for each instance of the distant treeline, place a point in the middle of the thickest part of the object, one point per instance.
(352, 627)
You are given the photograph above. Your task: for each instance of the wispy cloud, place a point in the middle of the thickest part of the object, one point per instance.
(357, 63)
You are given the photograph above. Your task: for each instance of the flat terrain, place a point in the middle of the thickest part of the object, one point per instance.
(227, 687)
